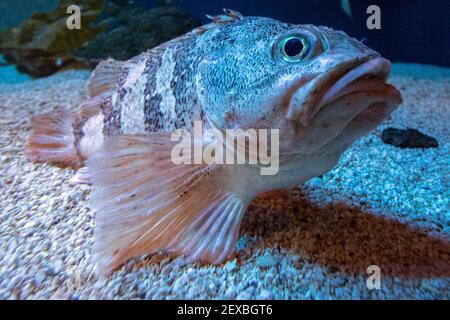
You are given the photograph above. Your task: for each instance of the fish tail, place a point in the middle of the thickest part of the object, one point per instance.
(54, 140)
(101, 85)
(146, 204)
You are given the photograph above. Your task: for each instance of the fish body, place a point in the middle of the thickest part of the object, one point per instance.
(319, 88)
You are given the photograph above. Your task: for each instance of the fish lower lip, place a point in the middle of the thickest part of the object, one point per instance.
(369, 108)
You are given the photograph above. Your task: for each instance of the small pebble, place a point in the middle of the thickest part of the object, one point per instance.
(266, 261)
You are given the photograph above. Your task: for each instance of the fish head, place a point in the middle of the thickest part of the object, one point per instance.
(313, 84)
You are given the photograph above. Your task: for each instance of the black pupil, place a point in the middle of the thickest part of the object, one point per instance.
(293, 47)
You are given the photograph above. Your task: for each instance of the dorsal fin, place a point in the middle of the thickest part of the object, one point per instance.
(102, 83)
(229, 16)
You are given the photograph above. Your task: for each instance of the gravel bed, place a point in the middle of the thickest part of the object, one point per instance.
(380, 206)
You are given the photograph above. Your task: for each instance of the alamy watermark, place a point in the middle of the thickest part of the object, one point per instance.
(373, 22)
(234, 146)
(73, 22)
(374, 280)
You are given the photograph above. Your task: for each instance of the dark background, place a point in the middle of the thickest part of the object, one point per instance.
(412, 30)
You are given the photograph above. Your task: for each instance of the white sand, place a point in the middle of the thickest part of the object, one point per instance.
(381, 205)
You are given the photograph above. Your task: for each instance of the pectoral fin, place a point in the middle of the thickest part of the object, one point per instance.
(145, 204)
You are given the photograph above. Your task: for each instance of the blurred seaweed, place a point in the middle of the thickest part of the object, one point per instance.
(120, 29)
(132, 29)
(43, 44)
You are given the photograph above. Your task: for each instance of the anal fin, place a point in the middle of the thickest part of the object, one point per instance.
(81, 177)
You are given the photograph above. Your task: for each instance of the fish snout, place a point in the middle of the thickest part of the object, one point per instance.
(367, 74)
(376, 69)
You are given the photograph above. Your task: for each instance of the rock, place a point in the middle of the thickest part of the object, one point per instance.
(49, 32)
(266, 261)
(265, 295)
(230, 293)
(231, 266)
(39, 278)
(212, 286)
(133, 29)
(244, 296)
(40, 63)
(117, 29)
(43, 44)
(341, 292)
(408, 138)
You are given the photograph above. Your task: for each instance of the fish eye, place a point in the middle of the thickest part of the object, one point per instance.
(294, 48)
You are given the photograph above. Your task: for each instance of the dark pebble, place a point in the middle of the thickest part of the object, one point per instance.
(408, 138)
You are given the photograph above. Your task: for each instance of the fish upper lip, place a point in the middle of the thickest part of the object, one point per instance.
(377, 68)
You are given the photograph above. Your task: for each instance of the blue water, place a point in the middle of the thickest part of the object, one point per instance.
(12, 13)
(9, 73)
(411, 30)
(415, 31)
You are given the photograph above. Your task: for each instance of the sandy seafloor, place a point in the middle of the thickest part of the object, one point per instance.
(380, 206)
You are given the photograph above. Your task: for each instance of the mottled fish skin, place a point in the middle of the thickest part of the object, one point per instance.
(156, 93)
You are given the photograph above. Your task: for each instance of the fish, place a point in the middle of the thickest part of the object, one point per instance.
(346, 6)
(320, 88)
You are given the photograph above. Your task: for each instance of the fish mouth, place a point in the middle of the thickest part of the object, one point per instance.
(368, 75)
(351, 102)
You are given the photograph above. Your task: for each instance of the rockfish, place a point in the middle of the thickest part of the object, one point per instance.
(320, 88)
